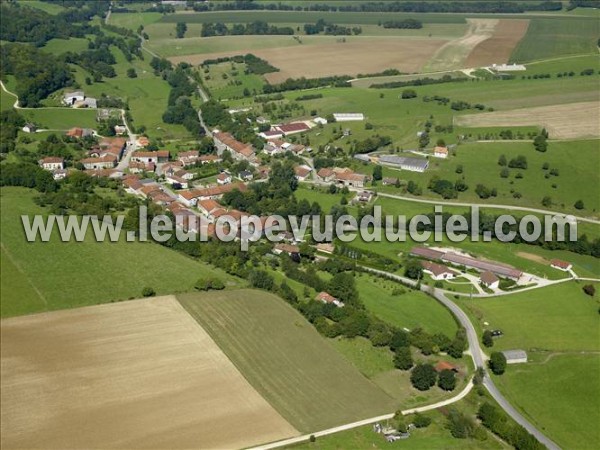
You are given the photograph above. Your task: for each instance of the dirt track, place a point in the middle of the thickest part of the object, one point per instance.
(568, 121)
(498, 48)
(140, 374)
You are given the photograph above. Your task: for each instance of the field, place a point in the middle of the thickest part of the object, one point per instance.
(61, 118)
(410, 310)
(286, 360)
(498, 48)
(554, 37)
(139, 374)
(560, 393)
(557, 318)
(568, 121)
(55, 275)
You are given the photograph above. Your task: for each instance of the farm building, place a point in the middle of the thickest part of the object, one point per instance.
(102, 162)
(328, 298)
(271, 134)
(440, 152)
(515, 356)
(496, 268)
(489, 280)
(326, 174)
(438, 271)
(157, 157)
(320, 121)
(364, 197)
(348, 117)
(239, 150)
(292, 128)
(29, 128)
(404, 163)
(70, 98)
(561, 265)
(79, 132)
(325, 247)
(351, 179)
(508, 67)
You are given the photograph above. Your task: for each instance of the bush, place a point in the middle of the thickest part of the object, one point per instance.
(421, 421)
(487, 339)
(148, 292)
(447, 380)
(423, 377)
(497, 363)
(403, 358)
(589, 289)
(207, 284)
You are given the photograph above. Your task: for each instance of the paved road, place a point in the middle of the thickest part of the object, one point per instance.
(360, 423)
(477, 355)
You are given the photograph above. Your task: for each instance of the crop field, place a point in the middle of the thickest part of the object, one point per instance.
(556, 318)
(56, 275)
(555, 37)
(138, 374)
(286, 360)
(568, 121)
(498, 48)
(560, 394)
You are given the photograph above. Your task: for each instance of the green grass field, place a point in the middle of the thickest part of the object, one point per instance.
(553, 37)
(40, 276)
(222, 80)
(286, 360)
(410, 310)
(560, 394)
(59, 46)
(554, 318)
(61, 118)
(51, 8)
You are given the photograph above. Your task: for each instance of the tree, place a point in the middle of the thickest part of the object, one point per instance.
(460, 425)
(579, 204)
(589, 289)
(421, 421)
(540, 143)
(487, 339)
(180, 29)
(377, 173)
(504, 173)
(409, 93)
(400, 339)
(497, 363)
(502, 160)
(447, 380)
(440, 143)
(131, 73)
(547, 201)
(423, 377)
(148, 292)
(413, 269)
(403, 358)
(261, 279)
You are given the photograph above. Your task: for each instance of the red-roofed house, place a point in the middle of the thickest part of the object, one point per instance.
(52, 163)
(302, 172)
(239, 150)
(160, 156)
(489, 280)
(440, 152)
(224, 178)
(188, 158)
(326, 174)
(291, 128)
(443, 365)
(437, 271)
(328, 298)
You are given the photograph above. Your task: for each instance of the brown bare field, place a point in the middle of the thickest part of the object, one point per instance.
(567, 121)
(453, 54)
(139, 374)
(498, 48)
(356, 55)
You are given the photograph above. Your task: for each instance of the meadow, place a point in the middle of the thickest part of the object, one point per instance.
(56, 275)
(284, 358)
(61, 119)
(559, 393)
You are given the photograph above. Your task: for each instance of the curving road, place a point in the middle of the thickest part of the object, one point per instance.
(477, 355)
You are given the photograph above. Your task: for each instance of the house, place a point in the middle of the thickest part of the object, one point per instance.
(561, 265)
(388, 181)
(189, 198)
(263, 172)
(239, 150)
(275, 146)
(245, 175)
(489, 280)
(224, 178)
(29, 128)
(404, 163)
(139, 167)
(148, 189)
(193, 196)
(440, 152)
(515, 356)
(286, 248)
(52, 163)
(437, 271)
(189, 158)
(364, 197)
(188, 176)
(160, 156)
(325, 247)
(113, 147)
(292, 128)
(271, 134)
(171, 167)
(143, 141)
(298, 149)
(208, 159)
(347, 132)
(59, 174)
(70, 98)
(79, 133)
(208, 206)
(328, 298)
(120, 129)
(348, 117)
(131, 184)
(326, 175)
(351, 179)
(175, 181)
(443, 365)
(302, 172)
(102, 162)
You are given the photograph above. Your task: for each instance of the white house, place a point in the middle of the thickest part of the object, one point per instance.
(70, 98)
(489, 280)
(437, 271)
(440, 152)
(52, 163)
(302, 172)
(103, 162)
(224, 178)
(319, 121)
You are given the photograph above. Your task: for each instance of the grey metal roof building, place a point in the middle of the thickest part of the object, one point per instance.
(405, 163)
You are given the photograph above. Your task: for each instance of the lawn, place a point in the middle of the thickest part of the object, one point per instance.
(560, 394)
(60, 46)
(61, 118)
(286, 360)
(553, 37)
(55, 275)
(410, 310)
(554, 318)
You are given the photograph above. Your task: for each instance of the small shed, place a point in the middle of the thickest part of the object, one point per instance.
(515, 356)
